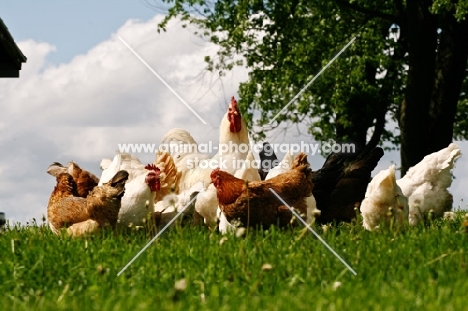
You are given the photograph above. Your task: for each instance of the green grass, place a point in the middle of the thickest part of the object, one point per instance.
(422, 268)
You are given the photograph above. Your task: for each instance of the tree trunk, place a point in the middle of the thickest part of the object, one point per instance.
(351, 125)
(414, 111)
(449, 75)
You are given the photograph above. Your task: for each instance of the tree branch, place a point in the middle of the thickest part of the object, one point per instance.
(366, 11)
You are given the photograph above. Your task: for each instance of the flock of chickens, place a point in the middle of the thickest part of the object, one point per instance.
(130, 194)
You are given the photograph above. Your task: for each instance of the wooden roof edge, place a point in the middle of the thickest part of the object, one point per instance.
(9, 44)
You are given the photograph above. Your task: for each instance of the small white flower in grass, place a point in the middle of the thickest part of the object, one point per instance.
(240, 232)
(449, 216)
(267, 267)
(336, 285)
(223, 239)
(325, 228)
(236, 223)
(181, 285)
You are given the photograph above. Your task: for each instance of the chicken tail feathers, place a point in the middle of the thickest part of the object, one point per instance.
(369, 162)
(330, 171)
(301, 159)
(455, 153)
(55, 169)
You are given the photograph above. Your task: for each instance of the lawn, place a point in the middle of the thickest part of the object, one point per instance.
(191, 268)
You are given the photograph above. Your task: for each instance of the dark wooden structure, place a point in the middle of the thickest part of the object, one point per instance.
(11, 57)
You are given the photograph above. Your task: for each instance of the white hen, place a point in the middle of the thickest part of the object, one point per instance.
(140, 188)
(121, 161)
(282, 167)
(426, 183)
(184, 150)
(172, 204)
(384, 202)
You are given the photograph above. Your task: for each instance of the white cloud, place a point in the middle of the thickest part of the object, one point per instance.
(36, 57)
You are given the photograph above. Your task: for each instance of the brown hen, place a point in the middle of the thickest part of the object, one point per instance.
(85, 181)
(102, 204)
(253, 204)
(65, 207)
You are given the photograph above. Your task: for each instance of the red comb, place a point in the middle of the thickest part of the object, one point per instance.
(214, 172)
(233, 101)
(152, 167)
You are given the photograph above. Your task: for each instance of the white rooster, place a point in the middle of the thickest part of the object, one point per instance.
(384, 202)
(233, 147)
(426, 183)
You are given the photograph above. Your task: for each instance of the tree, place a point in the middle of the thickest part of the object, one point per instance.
(408, 66)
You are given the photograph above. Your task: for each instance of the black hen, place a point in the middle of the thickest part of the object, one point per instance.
(268, 160)
(340, 186)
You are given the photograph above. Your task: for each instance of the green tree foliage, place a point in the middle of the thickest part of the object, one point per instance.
(406, 66)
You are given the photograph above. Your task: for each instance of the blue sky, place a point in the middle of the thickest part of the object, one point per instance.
(82, 92)
(72, 26)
